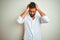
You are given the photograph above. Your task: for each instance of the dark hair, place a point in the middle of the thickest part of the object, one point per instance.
(32, 5)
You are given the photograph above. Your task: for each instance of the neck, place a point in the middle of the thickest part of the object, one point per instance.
(33, 18)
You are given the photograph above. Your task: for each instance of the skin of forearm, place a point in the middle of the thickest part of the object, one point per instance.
(24, 14)
(41, 13)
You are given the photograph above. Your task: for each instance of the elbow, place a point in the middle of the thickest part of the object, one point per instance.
(46, 21)
(19, 21)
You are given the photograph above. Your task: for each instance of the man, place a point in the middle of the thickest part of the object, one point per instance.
(32, 20)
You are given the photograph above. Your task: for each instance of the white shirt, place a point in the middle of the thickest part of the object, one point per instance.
(32, 27)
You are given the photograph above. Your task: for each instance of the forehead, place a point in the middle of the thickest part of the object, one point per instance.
(33, 9)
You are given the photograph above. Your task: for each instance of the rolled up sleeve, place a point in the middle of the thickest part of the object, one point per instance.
(44, 19)
(20, 20)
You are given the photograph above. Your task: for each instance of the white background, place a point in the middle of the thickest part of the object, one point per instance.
(11, 9)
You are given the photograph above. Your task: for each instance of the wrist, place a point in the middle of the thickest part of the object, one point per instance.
(38, 9)
(26, 10)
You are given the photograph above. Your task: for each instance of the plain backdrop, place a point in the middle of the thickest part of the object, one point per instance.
(11, 9)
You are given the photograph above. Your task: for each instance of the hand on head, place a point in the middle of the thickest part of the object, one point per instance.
(32, 5)
(37, 7)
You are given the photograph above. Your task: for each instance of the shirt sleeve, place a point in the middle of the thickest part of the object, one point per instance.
(20, 20)
(44, 19)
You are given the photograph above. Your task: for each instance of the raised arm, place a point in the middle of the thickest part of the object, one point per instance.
(25, 13)
(40, 11)
(20, 19)
(44, 18)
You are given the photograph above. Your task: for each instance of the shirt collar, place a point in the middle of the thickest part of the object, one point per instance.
(31, 18)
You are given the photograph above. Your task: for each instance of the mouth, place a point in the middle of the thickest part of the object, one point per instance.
(32, 15)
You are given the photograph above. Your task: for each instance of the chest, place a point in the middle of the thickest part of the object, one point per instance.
(30, 22)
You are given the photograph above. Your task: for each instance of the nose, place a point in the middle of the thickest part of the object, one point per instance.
(32, 12)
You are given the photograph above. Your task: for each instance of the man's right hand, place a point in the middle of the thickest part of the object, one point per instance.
(25, 12)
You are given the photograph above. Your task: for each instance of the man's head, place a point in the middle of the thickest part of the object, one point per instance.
(32, 9)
